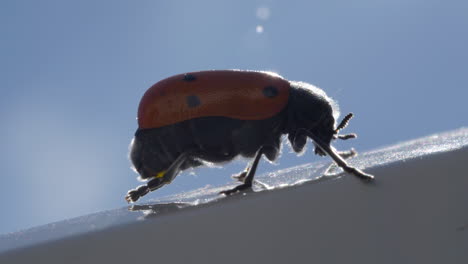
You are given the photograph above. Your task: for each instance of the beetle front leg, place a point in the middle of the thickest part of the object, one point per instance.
(326, 148)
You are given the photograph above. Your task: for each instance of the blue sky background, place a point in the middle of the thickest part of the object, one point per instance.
(72, 74)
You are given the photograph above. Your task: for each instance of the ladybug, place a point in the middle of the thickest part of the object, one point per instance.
(215, 116)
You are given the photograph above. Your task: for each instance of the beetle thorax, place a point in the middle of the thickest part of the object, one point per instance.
(312, 110)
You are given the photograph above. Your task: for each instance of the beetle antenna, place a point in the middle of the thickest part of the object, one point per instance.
(344, 122)
(347, 136)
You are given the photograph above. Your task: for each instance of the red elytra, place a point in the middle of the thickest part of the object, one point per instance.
(245, 95)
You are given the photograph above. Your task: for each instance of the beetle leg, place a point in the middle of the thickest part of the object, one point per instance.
(135, 194)
(338, 159)
(157, 182)
(347, 154)
(241, 176)
(250, 175)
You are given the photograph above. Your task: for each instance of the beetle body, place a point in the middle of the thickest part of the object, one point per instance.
(216, 116)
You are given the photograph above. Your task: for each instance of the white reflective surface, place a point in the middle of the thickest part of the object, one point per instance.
(288, 178)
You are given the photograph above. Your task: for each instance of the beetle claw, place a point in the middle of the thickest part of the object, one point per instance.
(130, 197)
(360, 174)
(240, 177)
(135, 194)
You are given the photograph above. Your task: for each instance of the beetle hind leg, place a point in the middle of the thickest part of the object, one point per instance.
(159, 180)
(135, 194)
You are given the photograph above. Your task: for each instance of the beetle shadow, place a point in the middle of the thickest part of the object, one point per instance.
(206, 197)
(158, 209)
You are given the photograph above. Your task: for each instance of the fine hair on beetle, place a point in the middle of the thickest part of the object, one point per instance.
(213, 117)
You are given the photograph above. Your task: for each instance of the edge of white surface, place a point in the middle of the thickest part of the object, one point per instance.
(415, 211)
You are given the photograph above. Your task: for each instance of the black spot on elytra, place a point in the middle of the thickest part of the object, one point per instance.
(193, 101)
(270, 91)
(189, 77)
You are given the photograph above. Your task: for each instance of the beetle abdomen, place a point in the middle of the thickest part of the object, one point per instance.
(243, 95)
(212, 139)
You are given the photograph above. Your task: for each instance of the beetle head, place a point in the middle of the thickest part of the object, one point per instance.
(145, 162)
(313, 112)
(310, 109)
(342, 125)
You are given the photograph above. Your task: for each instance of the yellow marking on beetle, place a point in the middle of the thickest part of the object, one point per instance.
(160, 174)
